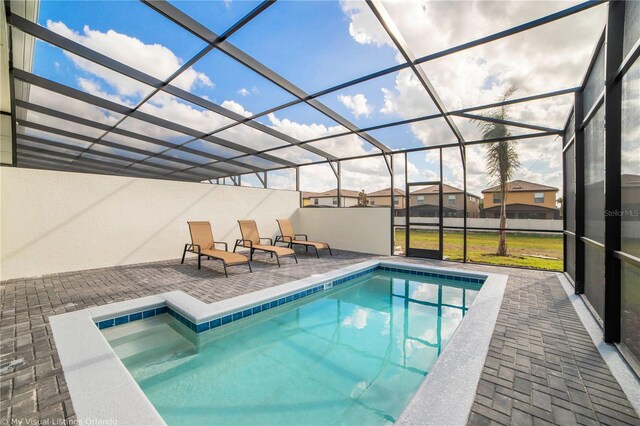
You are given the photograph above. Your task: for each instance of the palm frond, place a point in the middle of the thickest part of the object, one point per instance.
(501, 157)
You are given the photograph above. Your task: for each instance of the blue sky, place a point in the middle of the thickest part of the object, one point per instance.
(316, 45)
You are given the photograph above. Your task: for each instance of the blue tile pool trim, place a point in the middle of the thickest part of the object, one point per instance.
(460, 278)
(264, 306)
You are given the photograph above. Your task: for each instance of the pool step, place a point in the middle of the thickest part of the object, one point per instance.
(144, 338)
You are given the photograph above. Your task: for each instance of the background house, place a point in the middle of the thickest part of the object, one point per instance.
(423, 202)
(525, 200)
(330, 198)
(382, 198)
(306, 197)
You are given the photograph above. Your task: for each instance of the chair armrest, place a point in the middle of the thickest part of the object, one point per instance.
(226, 246)
(270, 240)
(304, 235)
(244, 241)
(284, 238)
(198, 246)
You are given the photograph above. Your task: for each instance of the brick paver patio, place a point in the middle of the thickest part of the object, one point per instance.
(542, 366)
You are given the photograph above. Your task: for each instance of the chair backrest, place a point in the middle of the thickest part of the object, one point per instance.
(286, 228)
(249, 231)
(201, 234)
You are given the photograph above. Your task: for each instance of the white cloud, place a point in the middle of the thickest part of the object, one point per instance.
(94, 88)
(171, 108)
(478, 75)
(237, 108)
(303, 131)
(358, 319)
(153, 59)
(362, 21)
(357, 104)
(538, 61)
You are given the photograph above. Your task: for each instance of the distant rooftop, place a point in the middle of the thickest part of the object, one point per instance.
(334, 193)
(446, 189)
(522, 186)
(386, 193)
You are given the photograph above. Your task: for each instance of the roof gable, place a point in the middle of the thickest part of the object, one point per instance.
(522, 186)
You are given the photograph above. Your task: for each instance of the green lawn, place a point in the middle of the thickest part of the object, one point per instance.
(482, 247)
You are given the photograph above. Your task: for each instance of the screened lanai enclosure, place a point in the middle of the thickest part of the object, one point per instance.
(338, 98)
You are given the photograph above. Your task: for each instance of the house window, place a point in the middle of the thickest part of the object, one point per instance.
(452, 199)
(497, 198)
(335, 201)
(538, 197)
(315, 201)
(396, 202)
(420, 199)
(372, 202)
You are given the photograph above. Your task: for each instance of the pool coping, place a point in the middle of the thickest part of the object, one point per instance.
(102, 389)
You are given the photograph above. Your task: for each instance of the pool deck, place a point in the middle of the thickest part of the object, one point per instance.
(542, 367)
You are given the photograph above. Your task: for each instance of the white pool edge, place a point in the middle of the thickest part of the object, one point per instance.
(102, 389)
(446, 395)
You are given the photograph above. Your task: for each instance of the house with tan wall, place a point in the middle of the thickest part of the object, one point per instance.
(452, 201)
(382, 198)
(524, 200)
(306, 197)
(329, 198)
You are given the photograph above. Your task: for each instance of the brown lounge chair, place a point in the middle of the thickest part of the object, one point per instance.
(289, 236)
(251, 240)
(203, 244)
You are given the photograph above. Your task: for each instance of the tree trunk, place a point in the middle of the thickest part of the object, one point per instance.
(502, 242)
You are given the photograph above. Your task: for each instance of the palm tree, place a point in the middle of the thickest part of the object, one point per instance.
(501, 159)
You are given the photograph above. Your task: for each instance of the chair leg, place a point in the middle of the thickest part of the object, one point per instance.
(249, 265)
(251, 255)
(316, 249)
(184, 253)
(199, 256)
(306, 249)
(295, 257)
(329, 250)
(225, 269)
(278, 259)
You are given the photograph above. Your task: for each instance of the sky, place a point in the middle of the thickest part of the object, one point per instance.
(317, 45)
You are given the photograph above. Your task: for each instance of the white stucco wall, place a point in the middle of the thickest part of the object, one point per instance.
(58, 222)
(357, 229)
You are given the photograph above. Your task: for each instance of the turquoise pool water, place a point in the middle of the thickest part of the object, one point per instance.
(352, 355)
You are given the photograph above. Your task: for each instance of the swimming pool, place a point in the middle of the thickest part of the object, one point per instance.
(354, 352)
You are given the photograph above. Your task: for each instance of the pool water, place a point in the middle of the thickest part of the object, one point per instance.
(354, 355)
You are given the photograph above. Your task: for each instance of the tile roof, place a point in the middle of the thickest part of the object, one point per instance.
(446, 189)
(386, 192)
(334, 193)
(521, 186)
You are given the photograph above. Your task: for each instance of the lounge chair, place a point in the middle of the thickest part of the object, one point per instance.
(203, 244)
(251, 240)
(288, 236)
